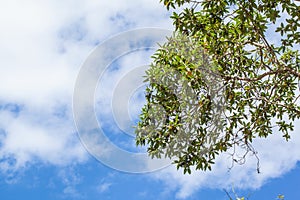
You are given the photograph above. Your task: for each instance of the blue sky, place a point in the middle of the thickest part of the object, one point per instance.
(43, 46)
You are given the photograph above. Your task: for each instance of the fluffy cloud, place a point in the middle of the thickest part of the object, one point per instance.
(43, 44)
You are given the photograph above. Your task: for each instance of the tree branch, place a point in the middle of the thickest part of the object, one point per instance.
(285, 70)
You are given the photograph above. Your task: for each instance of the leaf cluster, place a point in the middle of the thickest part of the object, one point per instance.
(220, 81)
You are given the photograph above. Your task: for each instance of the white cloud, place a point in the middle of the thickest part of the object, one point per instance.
(43, 44)
(48, 138)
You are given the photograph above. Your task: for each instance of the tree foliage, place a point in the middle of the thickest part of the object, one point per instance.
(229, 74)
